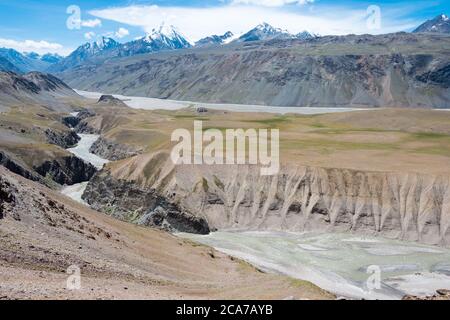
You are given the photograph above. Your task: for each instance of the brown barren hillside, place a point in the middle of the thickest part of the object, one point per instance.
(42, 233)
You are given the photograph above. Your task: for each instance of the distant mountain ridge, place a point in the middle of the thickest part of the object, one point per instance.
(6, 65)
(34, 88)
(165, 38)
(264, 31)
(393, 70)
(86, 51)
(160, 39)
(440, 24)
(12, 60)
(215, 40)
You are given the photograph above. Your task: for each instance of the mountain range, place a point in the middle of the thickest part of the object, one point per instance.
(12, 60)
(215, 40)
(278, 68)
(166, 37)
(392, 70)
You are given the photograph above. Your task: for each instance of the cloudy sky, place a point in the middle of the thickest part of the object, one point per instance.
(62, 25)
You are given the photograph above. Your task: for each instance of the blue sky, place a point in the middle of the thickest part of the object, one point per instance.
(41, 26)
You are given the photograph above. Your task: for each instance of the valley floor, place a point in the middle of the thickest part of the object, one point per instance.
(146, 103)
(341, 263)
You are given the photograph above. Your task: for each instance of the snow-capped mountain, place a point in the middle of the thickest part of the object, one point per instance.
(265, 31)
(91, 49)
(167, 37)
(162, 38)
(440, 24)
(104, 46)
(96, 47)
(215, 40)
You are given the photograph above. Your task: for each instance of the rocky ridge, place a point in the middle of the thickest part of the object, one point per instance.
(36, 89)
(129, 202)
(68, 170)
(15, 165)
(113, 151)
(64, 140)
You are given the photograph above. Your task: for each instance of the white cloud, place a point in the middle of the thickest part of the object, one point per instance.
(40, 47)
(122, 32)
(89, 35)
(272, 3)
(196, 23)
(91, 23)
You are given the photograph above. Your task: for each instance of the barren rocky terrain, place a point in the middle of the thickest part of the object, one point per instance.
(33, 130)
(42, 233)
(381, 173)
(387, 175)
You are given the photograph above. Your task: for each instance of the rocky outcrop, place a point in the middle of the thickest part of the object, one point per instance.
(63, 139)
(83, 125)
(112, 151)
(441, 294)
(67, 170)
(70, 121)
(128, 202)
(84, 114)
(18, 168)
(6, 196)
(110, 100)
(406, 206)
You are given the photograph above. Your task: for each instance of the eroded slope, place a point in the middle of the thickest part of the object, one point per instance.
(42, 233)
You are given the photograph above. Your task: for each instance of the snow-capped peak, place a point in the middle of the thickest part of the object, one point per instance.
(92, 48)
(168, 37)
(165, 32)
(440, 24)
(231, 38)
(265, 31)
(267, 28)
(264, 26)
(105, 42)
(169, 31)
